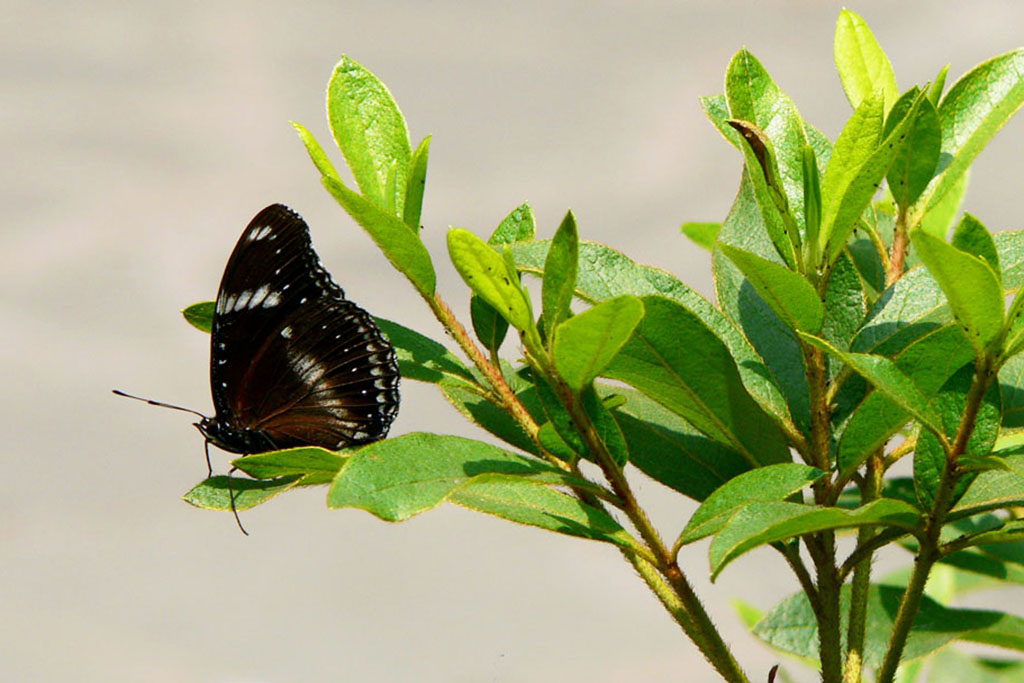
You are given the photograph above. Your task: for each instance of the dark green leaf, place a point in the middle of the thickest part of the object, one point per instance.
(585, 344)
(844, 305)
(421, 358)
(761, 523)
(668, 449)
(930, 455)
(490, 327)
(200, 315)
(606, 426)
(559, 417)
(675, 359)
(525, 502)
(400, 245)
(790, 295)
(371, 132)
(702, 234)
(952, 666)
(765, 484)
(560, 270)
(470, 402)
(914, 165)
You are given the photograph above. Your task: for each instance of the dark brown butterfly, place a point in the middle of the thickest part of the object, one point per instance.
(292, 361)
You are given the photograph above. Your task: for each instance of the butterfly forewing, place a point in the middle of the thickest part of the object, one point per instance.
(293, 362)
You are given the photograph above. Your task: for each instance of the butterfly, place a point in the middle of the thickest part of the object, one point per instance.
(292, 361)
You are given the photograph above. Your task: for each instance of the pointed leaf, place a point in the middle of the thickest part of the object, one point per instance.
(765, 484)
(973, 111)
(760, 523)
(488, 325)
(585, 344)
(371, 132)
(216, 493)
(398, 478)
(471, 402)
(863, 67)
(790, 295)
(518, 226)
(525, 502)
(316, 152)
(200, 315)
(950, 402)
(560, 270)
(606, 426)
(939, 216)
(702, 234)
(416, 185)
(400, 245)
(675, 359)
(970, 286)
(306, 460)
(914, 165)
(974, 238)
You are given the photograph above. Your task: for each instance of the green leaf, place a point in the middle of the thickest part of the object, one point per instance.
(790, 295)
(560, 270)
(605, 273)
(702, 234)
(416, 185)
(316, 152)
(860, 159)
(585, 344)
(970, 286)
(973, 111)
(761, 523)
(675, 359)
(371, 132)
(762, 170)
(421, 358)
(398, 478)
(765, 484)
(914, 165)
(487, 274)
(606, 426)
(525, 502)
(216, 493)
(471, 402)
(791, 626)
(916, 303)
(559, 417)
(753, 96)
(939, 216)
(887, 378)
(950, 403)
(668, 449)
(322, 464)
(863, 67)
(812, 207)
(400, 245)
(928, 362)
(200, 315)
(488, 325)
(973, 238)
(977, 561)
(992, 490)
(938, 85)
(518, 226)
(844, 305)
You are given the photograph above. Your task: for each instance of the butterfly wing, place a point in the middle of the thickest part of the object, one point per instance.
(292, 360)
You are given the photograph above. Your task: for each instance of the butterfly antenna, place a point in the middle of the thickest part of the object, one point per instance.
(231, 495)
(162, 405)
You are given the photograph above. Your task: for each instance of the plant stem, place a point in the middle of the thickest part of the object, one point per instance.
(900, 243)
(861, 584)
(928, 553)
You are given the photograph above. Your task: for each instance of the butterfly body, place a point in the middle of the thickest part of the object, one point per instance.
(292, 361)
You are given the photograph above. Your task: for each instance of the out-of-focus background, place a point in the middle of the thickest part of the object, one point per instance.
(139, 138)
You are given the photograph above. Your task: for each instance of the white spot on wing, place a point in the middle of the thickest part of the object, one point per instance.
(272, 299)
(243, 301)
(286, 332)
(259, 233)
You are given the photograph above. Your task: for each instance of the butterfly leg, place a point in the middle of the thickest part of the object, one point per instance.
(209, 466)
(234, 510)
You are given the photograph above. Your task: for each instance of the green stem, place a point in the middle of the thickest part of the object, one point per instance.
(928, 553)
(860, 588)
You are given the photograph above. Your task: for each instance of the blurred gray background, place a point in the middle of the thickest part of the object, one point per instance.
(139, 138)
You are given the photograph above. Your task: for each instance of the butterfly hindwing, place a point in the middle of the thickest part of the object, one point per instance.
(292, 361)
